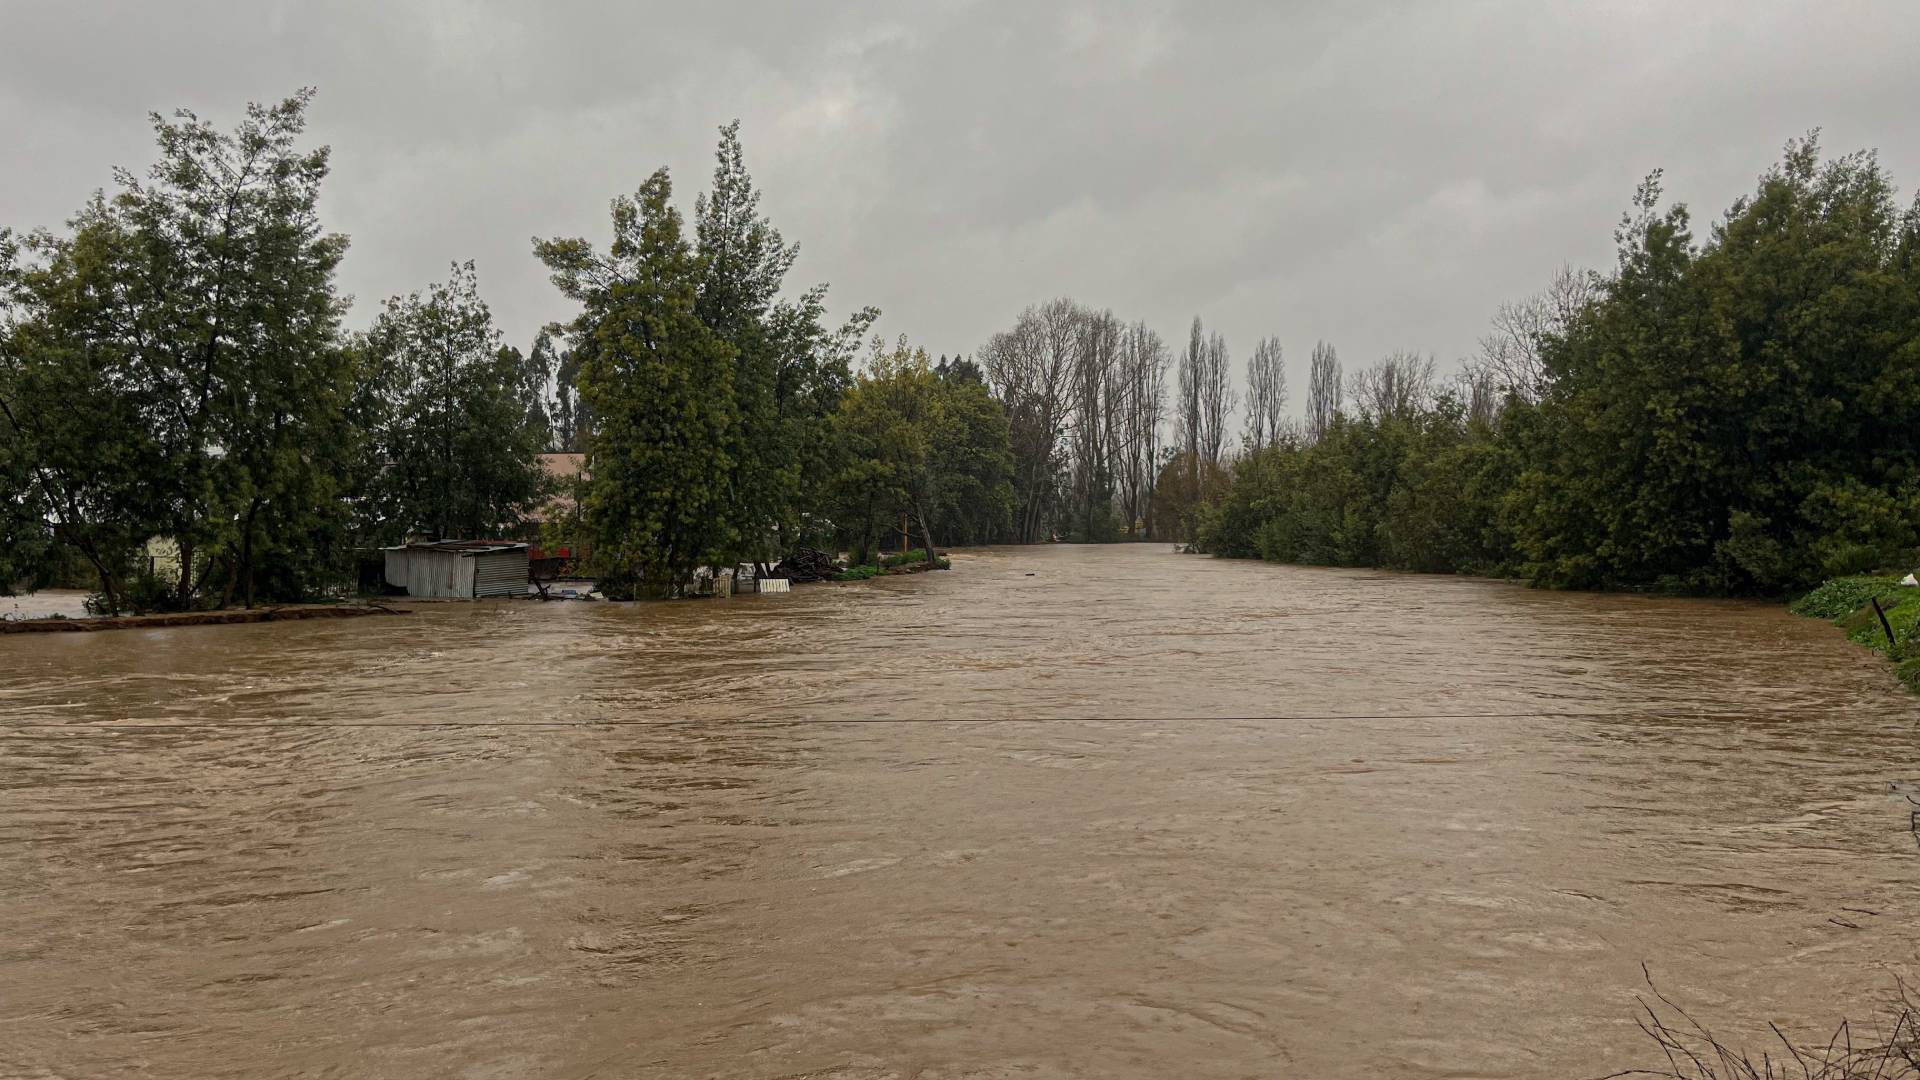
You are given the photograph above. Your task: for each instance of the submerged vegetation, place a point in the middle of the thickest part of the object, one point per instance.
(1888, 1049)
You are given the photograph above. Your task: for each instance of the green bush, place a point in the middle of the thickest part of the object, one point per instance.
(1841, 597)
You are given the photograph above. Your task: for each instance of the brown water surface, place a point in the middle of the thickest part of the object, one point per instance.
(1064, 812)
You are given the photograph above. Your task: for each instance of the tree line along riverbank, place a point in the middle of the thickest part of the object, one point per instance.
(187, 423)
(1726, 413)
(1734, 413)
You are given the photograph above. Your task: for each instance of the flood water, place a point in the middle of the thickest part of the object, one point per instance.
(1063, 812)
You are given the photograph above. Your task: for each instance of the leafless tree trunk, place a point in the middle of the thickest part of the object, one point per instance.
(1030, 369)
(1397, 388)
(1206, 399)
(1190, 425)
(1481, 397)
(1512, 354)
(1096, 420)
(1217, 399)
(1142, 380)
(1206, 395)
(1266, 393)
(1323, 390)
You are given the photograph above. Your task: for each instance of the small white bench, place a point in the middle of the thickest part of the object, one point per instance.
(773, 584)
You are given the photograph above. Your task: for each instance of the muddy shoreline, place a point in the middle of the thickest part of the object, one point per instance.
(195, 618)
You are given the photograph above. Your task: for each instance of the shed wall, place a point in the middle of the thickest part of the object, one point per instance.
(430, 573)
(500, 573)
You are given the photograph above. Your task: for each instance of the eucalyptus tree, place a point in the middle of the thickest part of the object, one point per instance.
(572, 419)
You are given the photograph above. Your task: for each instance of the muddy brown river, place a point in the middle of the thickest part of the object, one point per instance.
(1063, 812)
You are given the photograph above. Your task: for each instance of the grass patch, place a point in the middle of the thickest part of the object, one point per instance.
(1848, 603)
(860, 573)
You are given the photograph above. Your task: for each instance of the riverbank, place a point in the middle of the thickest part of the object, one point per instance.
(1877, 612)
(60, 625)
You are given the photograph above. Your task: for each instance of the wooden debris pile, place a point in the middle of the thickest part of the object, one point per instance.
(808, 564)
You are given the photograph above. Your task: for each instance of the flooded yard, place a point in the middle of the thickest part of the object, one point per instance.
(1064, 812)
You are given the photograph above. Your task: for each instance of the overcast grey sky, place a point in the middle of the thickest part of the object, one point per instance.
(1378, 175)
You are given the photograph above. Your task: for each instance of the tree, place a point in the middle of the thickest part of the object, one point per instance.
(1184, 489)
(659, 382)
(1266, 393)
(195, 315)
(1323, 390)
(1217, 399)
(1397, 388)
(76, 438)
(743, 263)
(889, 426)
(1739, 415)
(789, 370)
(572, 419)
(1030, 368)
(1143, 387)
(456, 440)
(1206, 398)
(973, 460)
(1094, 427)
(1512, 355)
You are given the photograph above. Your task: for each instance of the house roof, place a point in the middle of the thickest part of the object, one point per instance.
(463, 547)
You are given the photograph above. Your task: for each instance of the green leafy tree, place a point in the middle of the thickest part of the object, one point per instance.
(789, 369)
(918, 446)
(973, 460)
(78, 450)
(192, 321)
(1737, 416)
(660, 383)
(455, 440)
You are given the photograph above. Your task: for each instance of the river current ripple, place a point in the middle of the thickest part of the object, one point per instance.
(1063, 812)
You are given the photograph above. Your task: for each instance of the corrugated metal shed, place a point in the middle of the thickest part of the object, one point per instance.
(458, 569)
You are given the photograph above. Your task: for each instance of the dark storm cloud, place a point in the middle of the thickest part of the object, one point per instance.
(1379, 175)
